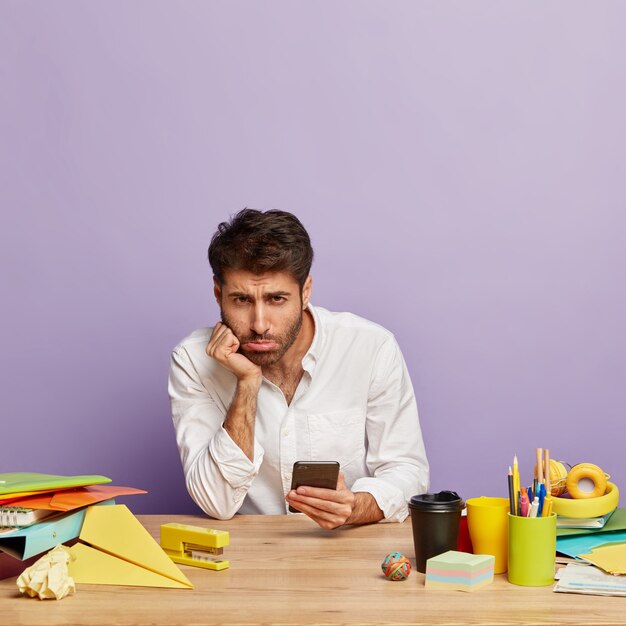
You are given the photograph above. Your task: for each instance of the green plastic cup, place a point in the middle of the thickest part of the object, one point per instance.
(532, 550)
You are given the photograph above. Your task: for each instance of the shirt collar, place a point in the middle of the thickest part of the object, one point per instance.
(310, 358)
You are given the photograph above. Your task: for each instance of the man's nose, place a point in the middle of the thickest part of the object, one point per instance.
(260, 322)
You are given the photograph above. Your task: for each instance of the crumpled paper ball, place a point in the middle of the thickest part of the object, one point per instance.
(48, 578)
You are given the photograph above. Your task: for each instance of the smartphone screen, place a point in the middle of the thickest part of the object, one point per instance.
(322, 474)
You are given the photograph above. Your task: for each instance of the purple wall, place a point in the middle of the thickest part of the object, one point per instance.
(460, 167)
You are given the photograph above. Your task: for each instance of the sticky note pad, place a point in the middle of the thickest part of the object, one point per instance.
(459, 570)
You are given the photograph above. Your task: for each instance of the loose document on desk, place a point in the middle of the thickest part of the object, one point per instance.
(589, 580)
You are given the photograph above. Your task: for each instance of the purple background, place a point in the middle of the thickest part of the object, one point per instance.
(461, 168)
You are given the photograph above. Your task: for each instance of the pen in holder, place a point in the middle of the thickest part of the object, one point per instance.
(532, 550)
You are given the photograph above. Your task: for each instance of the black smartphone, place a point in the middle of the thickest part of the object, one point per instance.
(322, 474)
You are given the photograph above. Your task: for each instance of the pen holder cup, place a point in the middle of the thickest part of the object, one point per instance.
(488, 523)
(532, 550)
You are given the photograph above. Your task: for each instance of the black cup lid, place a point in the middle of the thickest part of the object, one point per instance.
(444, 501)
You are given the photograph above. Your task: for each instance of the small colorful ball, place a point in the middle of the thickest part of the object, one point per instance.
(396, 566)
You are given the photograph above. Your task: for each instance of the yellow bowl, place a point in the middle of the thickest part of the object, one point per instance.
(589, 507)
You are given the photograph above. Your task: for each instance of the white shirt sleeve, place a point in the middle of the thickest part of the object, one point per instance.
(396, 457)
(217, 472)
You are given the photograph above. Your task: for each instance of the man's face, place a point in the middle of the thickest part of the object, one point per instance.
(264, 312)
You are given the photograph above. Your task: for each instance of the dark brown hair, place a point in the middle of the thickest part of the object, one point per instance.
(259, 242)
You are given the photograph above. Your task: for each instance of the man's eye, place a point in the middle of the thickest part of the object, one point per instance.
(278, 298)
(241, 299)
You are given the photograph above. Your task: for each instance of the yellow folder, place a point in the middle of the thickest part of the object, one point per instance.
(115, 549)
(611, 557)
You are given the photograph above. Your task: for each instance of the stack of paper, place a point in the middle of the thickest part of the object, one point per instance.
(605, 548)
(592, 523)
(578, 542)
(23, 497)
(583, 579)
(616, 522)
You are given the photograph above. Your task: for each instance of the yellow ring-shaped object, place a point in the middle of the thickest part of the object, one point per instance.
(590, 507)
(586, 472)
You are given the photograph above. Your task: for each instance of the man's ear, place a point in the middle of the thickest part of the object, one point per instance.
(217, 290)
(306, 291)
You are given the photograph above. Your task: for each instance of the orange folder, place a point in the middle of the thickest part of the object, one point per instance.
(18, 497)
(69, 499)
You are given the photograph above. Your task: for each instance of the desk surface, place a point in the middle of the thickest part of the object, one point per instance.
(286, 570)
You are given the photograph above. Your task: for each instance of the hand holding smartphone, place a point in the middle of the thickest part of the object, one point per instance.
(323, 474)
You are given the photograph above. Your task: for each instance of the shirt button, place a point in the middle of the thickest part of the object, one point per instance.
(286, 433)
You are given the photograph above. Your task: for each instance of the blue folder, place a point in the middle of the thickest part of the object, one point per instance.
(576, 545)
(22, 543)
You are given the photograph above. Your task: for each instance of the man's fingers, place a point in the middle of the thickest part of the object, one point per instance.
(219, 332)
(223, 339)
(326, 495)
(223, 346)
(326, 519)
(322, 506)
(329, 508)
(341, 482)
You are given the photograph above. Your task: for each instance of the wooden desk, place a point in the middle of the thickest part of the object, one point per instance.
(286, 570)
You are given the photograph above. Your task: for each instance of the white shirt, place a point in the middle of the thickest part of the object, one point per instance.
(354, 404)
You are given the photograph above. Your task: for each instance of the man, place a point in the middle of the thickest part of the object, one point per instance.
(279, 381)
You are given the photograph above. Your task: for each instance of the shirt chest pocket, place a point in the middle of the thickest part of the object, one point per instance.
(337, 436)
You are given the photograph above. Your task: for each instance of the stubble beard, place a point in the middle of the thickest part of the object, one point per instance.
(284, 341)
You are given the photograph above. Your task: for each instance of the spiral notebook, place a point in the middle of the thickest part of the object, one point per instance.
(19, 517)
